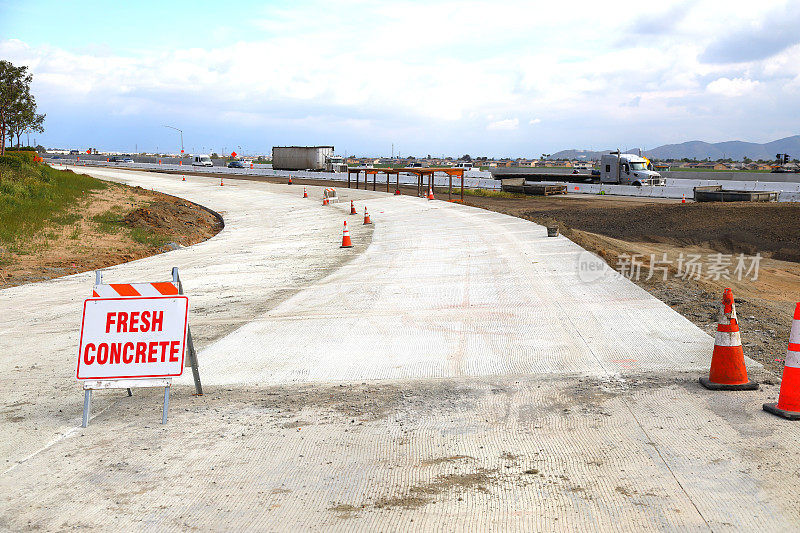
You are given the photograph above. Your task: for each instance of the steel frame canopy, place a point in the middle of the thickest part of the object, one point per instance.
(419, 172)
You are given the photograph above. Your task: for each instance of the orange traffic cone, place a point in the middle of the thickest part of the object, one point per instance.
(180, 163)
(346, 242)
(353, 208)
(683, 200)
(397, 192)
(184, 178)
(290, 180)
(430, 193)
(788, 405)
(366, 216)
(305, 193)
(727, 362)
(220, 182)
(325, 200)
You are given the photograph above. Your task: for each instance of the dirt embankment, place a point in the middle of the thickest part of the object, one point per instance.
(771, 229)
(107, 227)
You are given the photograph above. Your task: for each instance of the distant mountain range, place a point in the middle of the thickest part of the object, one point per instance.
(699, 150)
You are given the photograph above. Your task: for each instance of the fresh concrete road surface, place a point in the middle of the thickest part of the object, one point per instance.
(457, 370)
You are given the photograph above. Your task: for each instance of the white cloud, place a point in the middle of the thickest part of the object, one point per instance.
(403, 77)
(500, 125)
(732, 87)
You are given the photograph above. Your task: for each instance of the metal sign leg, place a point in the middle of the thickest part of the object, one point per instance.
(198, 387)
(166, 405)
(87, 405)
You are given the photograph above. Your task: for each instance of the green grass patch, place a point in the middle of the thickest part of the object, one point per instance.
(113, 221)
(149, 238)
(34, 197)
(110, 221)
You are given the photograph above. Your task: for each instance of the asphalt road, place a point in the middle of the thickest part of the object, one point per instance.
(457, 370)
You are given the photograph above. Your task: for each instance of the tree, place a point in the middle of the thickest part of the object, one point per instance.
(24, 119)
(15, 95)
(466, 157)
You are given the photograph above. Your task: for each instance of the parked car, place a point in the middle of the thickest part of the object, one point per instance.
(236, 164)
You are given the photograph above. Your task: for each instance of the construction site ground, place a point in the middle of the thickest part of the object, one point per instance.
(623, 226)
(452, 371)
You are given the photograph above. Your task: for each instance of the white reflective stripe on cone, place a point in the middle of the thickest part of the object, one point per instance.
(792, 359)
(725, 338)
(794, 333)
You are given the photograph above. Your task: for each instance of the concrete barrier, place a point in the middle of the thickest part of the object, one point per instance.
(675, 187)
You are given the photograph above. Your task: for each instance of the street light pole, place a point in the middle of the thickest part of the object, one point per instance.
(176, 129)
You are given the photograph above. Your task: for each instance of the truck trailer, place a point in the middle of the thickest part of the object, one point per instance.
(301, 157)
(615, 167)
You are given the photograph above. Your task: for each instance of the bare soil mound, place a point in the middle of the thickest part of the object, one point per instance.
(771, 229)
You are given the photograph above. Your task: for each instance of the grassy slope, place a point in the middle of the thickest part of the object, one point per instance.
(34, 196)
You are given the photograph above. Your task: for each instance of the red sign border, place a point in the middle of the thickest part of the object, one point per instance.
(129, 298)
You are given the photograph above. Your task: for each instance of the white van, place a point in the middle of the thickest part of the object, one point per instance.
(202, 160)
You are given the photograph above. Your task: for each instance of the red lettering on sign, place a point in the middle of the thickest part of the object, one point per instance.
(86, 359)
(158, 320)
(122, 321)
(109, 321)
(151, 353)
(116, 350)
(173, 351)
(141, 352)
(145, 321)
(102, 353)
(126, 357)
(134, 320)
(164, 345)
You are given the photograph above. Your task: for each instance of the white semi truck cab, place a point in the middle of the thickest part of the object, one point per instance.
(628, 169)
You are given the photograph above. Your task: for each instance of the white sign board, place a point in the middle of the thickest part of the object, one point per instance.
(132, 337)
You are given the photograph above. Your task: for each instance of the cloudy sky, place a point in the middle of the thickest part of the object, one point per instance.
(487, 78)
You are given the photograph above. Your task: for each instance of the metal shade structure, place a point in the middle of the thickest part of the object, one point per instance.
(421, 173)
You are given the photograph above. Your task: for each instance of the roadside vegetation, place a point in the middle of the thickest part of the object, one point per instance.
(56, 222)
(34, 196)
